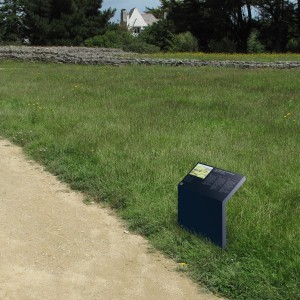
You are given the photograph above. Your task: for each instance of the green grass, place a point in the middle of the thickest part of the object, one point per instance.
(259, 57)
(128, 135)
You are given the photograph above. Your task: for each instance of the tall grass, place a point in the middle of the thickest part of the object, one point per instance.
(128, 135)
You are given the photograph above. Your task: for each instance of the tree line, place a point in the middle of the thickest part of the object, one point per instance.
(187, 25)
(238, 25)
(51, 22)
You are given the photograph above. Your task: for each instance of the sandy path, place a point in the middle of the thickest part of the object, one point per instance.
(55, 247)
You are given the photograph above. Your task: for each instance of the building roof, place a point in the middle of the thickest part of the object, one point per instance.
(131, 11)
(149, 19)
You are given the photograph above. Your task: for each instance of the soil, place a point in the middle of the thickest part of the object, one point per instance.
(53, 246)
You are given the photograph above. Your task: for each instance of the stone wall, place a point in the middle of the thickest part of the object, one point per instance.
(116, 57)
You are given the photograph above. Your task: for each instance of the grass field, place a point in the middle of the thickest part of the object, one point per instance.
(128, 135)
(258, 57)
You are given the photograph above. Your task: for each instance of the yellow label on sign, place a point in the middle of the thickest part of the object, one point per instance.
(201, 171)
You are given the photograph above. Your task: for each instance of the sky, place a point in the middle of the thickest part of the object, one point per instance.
(128, 5)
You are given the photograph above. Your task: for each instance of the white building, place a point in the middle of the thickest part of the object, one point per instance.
(135, 21)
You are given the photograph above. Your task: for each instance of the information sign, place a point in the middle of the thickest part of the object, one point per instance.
(202, 198)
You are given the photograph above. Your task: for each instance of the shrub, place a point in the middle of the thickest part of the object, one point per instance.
(139, 46)
(122, 39)
(159, 34)
(185, 42)
(225, 45)
(111, 39)
(10, 43)
(294, 45)
(253, 43)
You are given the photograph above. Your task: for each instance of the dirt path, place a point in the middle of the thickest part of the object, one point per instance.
(55, 247)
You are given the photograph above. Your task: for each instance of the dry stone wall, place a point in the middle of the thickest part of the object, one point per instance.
(117, 57)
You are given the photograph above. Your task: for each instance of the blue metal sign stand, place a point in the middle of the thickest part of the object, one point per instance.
(202, 198)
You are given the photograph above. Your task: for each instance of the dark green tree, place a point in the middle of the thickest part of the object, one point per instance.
(238, 16)
(276, 17)
(276, 23)
(298, 16)
(206, 20)
(37, 21)
(88, 20)
(11, 21)
(214, 21)
(158, 12)
(64, 22)
(159, 34)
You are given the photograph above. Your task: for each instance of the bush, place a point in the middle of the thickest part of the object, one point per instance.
(222, 46)
(122, 39)
(111, 39)
(253, 43)
(185, 42)
(294, 45)
(159, 34)
(139, 46)
(10, 43)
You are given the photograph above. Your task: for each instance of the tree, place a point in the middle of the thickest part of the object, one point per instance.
(298, 16)
(214, 21)
(64, 22)
(240, 14)
(11, 21)
(88, 20)
(159, 34)
(158, 12)
(209, 21)
(37, 21)
(276, 17)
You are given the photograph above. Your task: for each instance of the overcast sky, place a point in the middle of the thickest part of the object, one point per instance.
(128, 4)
